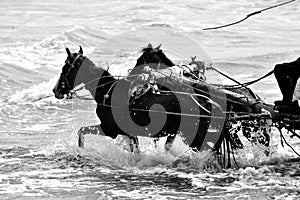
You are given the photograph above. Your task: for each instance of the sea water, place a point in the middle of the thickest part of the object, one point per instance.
(39, 157)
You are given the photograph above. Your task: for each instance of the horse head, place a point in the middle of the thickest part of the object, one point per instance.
(152, 56)
(66, 81)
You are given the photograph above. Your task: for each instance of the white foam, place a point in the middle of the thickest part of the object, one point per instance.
(34, 93)
(49, 52)
(37, 127)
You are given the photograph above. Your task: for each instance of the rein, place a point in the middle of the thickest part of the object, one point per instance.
(73, 92)
(97, 79)
(244, 115)
(199, 90)
(106, 96)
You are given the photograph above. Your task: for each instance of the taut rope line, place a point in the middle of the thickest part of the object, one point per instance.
(250, 82)
(199, 90)
(249, 15)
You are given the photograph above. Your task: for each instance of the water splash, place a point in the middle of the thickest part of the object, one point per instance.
(48, 53)
(40, 92)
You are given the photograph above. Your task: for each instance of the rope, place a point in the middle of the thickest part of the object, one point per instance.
(250, 82)
(165, 112)
(108, 76)
(199, 105)
(283, 138)
(83, 96)
(294, 133)
(238, 115)
(106, 96)
(199, 90)
(162, 112)
(226, 76)
(183, 66)
(243, 85)
(249, 15)
(176, 54)
(243, 115)
(184, 93)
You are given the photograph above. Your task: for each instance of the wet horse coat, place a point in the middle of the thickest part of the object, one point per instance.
(112, 96)
(185, 109)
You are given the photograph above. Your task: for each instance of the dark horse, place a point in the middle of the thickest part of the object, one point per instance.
(152, 57)
(152, 114)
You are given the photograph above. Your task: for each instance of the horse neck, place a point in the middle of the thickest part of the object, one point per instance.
(97, 81)
(165, 59)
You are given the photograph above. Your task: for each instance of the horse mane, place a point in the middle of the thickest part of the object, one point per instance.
(94, 69)
(159, 52)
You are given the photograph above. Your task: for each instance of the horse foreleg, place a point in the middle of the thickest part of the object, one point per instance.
(169, 141)
(155, 140)
(134, 144)
(95, 130)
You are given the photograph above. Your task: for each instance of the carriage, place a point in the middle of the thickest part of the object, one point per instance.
(158, 98)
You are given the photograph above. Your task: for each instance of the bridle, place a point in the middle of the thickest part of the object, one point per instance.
(65, 84)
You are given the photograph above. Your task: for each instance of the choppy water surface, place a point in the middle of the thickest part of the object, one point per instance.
(39, 157)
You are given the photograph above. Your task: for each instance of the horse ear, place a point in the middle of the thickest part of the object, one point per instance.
(149, 46)
(158, 47)
(193, 58)
(80, 50)
(68, 52)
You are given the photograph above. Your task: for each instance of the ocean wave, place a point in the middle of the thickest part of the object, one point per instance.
(160, 25)
(32, 67)
(77, 35)
(34, 93)
(20, 75)
(237, 65)
(50, 52)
